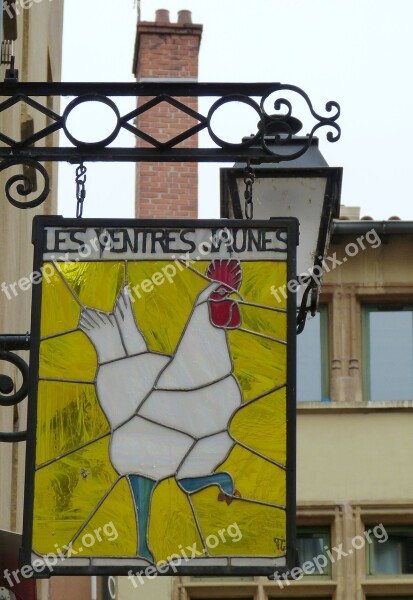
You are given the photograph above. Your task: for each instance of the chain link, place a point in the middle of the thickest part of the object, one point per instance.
(249, 178)
(80, 189)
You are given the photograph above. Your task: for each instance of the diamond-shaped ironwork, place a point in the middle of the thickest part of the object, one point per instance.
(30, 139)
(152, 104)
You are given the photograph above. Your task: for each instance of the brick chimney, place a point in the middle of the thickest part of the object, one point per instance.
(167, 51)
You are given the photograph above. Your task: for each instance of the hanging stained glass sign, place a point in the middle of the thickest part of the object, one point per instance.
(161, 397)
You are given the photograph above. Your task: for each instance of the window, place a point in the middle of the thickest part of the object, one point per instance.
(394, 556)
(312, 359)
(311, 542)
(9, 20)
(388, 352)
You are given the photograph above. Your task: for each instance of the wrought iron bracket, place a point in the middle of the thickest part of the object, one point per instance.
(273, 109)
(8, 344)
(303, 310)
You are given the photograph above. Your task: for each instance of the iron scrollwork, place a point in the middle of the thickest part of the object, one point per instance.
(21, 185)
(262, 146)
(283, 123)
(8, 397)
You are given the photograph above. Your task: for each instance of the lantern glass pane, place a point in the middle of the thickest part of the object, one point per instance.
(300, 197)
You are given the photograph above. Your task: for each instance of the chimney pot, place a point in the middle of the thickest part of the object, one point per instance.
(184, 17)
(162, 16)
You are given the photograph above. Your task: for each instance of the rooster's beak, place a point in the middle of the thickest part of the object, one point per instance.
(235, 296)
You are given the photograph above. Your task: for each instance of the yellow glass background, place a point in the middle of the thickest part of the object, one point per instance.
(76, 488)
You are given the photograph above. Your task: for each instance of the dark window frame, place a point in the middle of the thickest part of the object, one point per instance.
(396, 533)
(321, 531)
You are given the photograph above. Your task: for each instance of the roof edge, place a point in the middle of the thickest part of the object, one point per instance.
(348, 227)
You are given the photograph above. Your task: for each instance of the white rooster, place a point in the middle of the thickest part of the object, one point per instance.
(169, 415)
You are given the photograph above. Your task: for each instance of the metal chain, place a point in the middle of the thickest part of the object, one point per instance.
(249, 178)
(80, 189)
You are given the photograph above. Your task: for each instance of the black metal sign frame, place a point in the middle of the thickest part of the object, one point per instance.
(287, 225)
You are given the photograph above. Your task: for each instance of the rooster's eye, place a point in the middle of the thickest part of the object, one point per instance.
(222, 291)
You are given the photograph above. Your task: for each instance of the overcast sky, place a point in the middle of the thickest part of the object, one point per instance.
(356, 52)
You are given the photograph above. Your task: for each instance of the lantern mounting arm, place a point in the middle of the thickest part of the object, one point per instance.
(304, 309)
(8, 397)
(272, 103)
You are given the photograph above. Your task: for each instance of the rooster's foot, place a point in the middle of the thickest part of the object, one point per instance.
(228, 499)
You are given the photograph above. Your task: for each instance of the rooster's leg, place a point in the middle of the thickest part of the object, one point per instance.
(204, 456)
(142, 489)
(194, 484)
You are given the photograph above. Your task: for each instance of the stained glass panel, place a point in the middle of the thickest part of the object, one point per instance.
(161, 396)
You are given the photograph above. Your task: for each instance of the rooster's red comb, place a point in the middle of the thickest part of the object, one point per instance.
(227, 271)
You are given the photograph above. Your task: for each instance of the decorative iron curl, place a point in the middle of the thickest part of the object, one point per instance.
(278, 104)
(21, 393)
(277, 130)
(281, 132)
(293, 88)
(306, 141)
(282, 122)
(24, 184)
(7, 343)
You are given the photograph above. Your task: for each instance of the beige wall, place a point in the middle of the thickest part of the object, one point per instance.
(384, 266)
(355, 457)
(146, 589)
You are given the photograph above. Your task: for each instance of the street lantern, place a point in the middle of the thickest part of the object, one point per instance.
(305, 188)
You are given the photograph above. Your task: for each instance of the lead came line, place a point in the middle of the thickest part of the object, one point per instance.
(92, 514)
(267, 337)
(69, 452)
